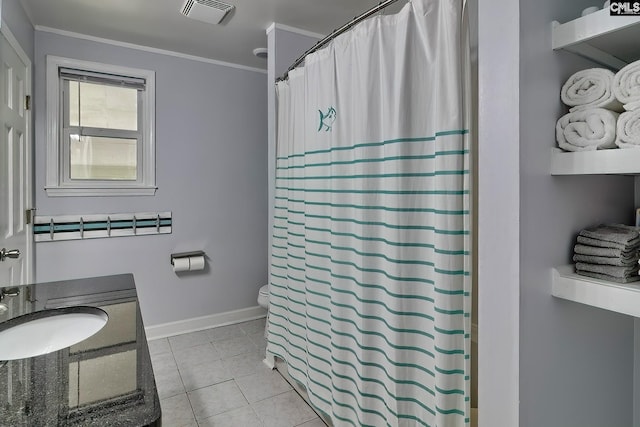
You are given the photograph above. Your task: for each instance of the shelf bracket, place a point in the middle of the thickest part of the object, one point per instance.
(596, 55)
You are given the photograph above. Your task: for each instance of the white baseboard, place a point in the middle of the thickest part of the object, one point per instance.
(205, 322)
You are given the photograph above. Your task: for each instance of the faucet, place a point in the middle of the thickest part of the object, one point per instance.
(9, 292)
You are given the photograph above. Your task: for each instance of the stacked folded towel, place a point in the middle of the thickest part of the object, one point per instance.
(587, 130)
(628, 129)
(593, 113)
(626, 88)
(609, 252)
(591, 88)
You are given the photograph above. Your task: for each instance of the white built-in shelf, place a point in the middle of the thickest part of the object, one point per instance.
(618, 297)
(608, 40)
(612, 41)
(616, 161)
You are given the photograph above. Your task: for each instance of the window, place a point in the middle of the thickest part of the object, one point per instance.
(100, 129)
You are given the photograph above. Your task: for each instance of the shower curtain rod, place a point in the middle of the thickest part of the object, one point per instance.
(335, 33)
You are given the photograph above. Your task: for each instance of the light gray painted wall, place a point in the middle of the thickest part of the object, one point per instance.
(576, 362)
(284, 46)
(19, 24)
(211, 124)
(498, 212)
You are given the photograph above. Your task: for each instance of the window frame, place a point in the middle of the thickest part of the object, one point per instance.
(58, 178)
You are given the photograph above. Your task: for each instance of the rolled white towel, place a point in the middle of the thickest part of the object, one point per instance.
(626, 86)
(587, 130)
(590, 88)
(628, 130)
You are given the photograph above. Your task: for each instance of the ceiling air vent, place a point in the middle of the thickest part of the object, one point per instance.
(210, 11)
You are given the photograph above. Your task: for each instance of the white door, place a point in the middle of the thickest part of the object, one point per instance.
(16, 236)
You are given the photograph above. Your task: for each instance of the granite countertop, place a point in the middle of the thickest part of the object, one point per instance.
(106, 380)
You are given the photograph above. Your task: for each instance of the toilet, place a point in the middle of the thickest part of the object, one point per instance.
(263, 301)
(263, 297)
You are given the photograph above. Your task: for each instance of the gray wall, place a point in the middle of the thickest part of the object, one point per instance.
(211, 137)
(18, 23)
(498, 214)
(285, 45)
(576, 362)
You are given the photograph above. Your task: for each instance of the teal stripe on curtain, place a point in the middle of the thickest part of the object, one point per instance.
(370, 292)
(382, 143)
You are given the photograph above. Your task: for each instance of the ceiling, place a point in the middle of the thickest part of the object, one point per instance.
(159, 23)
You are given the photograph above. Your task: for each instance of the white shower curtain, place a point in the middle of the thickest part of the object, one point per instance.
(370, 270)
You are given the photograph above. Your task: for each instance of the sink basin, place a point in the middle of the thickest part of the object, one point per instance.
(46, 331)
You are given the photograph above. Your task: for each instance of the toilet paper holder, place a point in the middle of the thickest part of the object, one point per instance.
(186, 255)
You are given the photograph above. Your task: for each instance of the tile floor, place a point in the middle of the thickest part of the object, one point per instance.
(216, 378)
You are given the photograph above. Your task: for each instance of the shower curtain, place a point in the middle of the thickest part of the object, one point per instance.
(370, 266)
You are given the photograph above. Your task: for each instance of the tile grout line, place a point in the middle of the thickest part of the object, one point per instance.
(186, 393)
(213, 343)
(303, 399)
(255, 350)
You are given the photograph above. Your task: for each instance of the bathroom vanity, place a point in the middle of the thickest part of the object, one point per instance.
(105, 380)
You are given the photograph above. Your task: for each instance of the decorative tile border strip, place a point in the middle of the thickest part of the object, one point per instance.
(76, 227)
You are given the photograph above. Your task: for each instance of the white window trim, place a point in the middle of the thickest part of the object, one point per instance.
(55, 185)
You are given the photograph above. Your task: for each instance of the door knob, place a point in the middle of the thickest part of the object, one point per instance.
(11, 253)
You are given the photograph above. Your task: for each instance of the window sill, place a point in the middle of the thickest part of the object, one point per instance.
(99, 192)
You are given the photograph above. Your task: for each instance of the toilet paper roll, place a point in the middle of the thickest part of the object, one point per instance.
(196, 263)
(181, 264)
